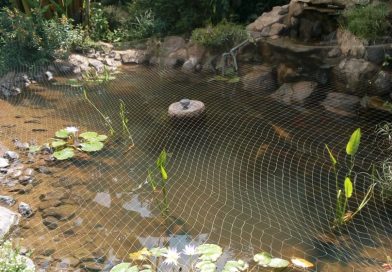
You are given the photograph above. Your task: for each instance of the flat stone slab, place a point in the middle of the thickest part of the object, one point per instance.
(195, 109)
(8, 219)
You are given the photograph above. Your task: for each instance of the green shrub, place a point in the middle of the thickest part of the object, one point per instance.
(11, 261)
(98, 23)
(368, 22)
(224, 34)
(26, 40)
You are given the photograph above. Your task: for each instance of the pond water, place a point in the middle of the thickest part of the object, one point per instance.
(252, 175)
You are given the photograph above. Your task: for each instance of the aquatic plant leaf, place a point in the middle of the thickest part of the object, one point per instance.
(353, 143)
(209, 252)
(161, 161)
(146, 268)
(62, 133)
(101, 138)
(163, 173)
(348, 187)
(58, 143)
(158, 251)
(333, 160)
(234, 80)
(206, 266)
(235, 266)
(302, 263)
(64, 154)
(91, 146)
(278, 263)
(263, 258)
(219, 78)
(140, 255)
(124, 267)
(34, 148)
(88, 135)
(151, 180)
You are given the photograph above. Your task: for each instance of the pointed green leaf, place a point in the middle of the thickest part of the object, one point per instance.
(353, 143)
(88, 135)
(235, 266)
(263, 258)
(64, 154)
(348, 187)
(333, 160)
(124, 267)
(58, 143)
(209, 252)
(91, 146)
(163, 173)
(161, 161)
(278, 263)
(62, 133)
(34, 148)
(206, 266)
(234, 80)
(158, 251)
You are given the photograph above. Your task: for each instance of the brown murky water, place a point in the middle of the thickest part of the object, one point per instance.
(252, 175)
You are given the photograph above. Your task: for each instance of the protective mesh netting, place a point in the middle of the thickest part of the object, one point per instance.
(252, 175)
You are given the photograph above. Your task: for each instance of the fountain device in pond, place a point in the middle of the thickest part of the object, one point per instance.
(186, 108)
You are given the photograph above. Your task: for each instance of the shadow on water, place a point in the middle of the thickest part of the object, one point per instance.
(251, 175)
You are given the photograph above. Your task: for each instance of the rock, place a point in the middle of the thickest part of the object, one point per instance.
(28, 172)
(273, 30)
(286, 73)
(48, 251)
(7, 200)
(91, 266)
(133, 56)
(355, 73)
(103, 199)
(25, 210)
(260, 79)
(8, 220)
(180, 55)
(276, 15)
(4, 163)
(50, 203)
(335, 52)
(190, 64)
(54, 195)
(30, 266)
(24, 180)
(171, 44)
(49, 75)
(16, 173)
(12, 84)
(79, 61)
(11, 155)
(194, 109)
(375, 53)
(98, 65)
(382, 83)
(196, 51)
(68, 261)
(341, 104)
(350, 45)
(106, 47)
(62, 213)
(50, 222)
(294, 93)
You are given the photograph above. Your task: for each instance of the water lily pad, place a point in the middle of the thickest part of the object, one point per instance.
(58, 143)
(62, 133)
(101, 138)
(235, 266)
(124, 267)
(206, 266)
(89, 135)
(209, 252)
(64, 154)
(4, 163)
(278, 263)
(263, 258)
(158, 251)
(91, 146)
(34, 148)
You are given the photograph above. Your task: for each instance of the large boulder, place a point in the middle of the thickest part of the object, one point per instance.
(12, 84)
(80, 62)
(133, 56)
(341, 104)
(171, 44)
(267, 19)
(382, 83)
(294, 93)
(350, 45)
(353, 75)
(196, 53)
(8, 220)
(261, 79)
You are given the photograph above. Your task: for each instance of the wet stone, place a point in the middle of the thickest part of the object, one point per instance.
(44, 170)
(48, 252)
(24, 180)
(28, 172)
(69, 261)
(25, 210)
(11, 155)
(90, 266)
(16, 173)
(63, 212)
(7, 200)
(4, 163)
(54, 195)
(50, 203)
(50, 222)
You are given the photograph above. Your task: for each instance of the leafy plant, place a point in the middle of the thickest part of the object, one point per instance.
(98, 23)
(342, 214)
(124, 123)
(201, 258)
(368, 22)
(68, 140)
(223, 35)
(94, 77)
(11, 260)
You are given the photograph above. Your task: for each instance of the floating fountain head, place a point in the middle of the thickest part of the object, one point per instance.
(186, 108)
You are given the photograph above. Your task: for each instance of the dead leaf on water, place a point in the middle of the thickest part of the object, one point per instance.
(140, 255)
(283, 134)
(262, 149)
(302, 263)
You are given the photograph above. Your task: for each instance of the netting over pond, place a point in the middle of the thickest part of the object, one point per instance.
(251, 175)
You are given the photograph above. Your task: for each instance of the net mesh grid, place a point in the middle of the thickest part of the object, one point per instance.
(252, 176)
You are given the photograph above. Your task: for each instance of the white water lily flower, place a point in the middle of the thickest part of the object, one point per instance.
(72, 129)
(171, 256)
(189, 250)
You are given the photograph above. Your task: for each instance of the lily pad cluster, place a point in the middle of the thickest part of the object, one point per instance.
(201, 258)
(67, 141)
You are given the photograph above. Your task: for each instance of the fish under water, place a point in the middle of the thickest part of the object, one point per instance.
(261, 151)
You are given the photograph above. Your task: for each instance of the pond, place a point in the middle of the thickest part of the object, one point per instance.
(252, 175)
